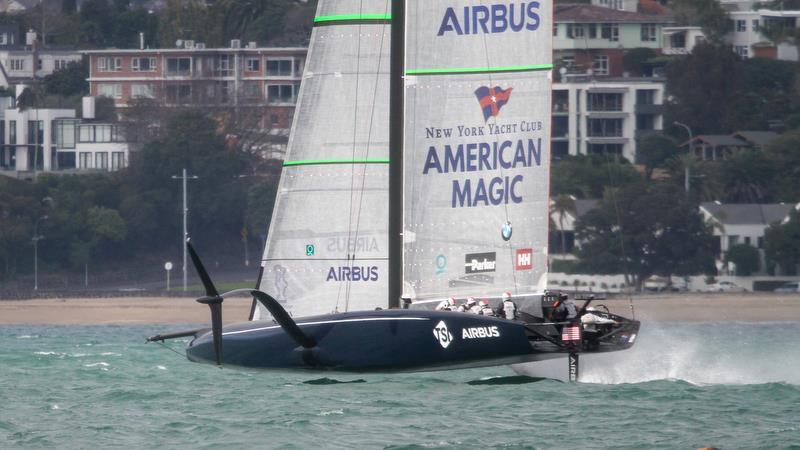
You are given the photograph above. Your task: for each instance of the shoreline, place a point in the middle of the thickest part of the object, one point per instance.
(747, 307)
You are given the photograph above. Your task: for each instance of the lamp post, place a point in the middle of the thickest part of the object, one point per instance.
(36, 238)
(686, 169)
(183, 177)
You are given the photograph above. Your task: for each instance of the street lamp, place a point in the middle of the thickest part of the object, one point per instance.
(36, 238)
(184, 178)
(686, 169)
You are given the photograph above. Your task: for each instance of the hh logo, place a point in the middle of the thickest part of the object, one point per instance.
(442, 335)
(492, 99)
(524, 259)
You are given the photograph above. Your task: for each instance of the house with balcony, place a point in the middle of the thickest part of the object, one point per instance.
(30, 61)
(681, 40)
(49, 140)
(266, 80)
(750, 19)
(713, 147)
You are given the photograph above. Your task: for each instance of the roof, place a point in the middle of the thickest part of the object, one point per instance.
(720, 140)
(748, 213)
(757, 138)
(581, 13)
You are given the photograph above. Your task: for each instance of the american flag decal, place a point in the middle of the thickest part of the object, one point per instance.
(571, 333)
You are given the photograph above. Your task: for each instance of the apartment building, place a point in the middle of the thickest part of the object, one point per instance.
(267, 79)
(29, 61)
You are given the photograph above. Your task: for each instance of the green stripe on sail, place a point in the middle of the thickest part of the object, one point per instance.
(311, 162)
(534, 67)
(350, 17)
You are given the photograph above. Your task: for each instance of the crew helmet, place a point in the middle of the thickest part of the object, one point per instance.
(451, 301)
(506, 296)
(484, 302)
(470, 301)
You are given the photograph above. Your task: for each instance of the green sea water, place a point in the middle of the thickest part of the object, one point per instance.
(732, 386)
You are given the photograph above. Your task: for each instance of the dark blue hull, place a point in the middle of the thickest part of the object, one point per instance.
(384, 340)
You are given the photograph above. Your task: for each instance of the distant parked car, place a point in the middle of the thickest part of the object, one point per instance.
(725, 286)
(663, 284)
(792, 286)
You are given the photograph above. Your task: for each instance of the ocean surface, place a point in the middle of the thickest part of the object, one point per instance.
(683, 386)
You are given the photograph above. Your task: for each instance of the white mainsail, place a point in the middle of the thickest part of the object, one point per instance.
(477, 148)
(327, 243)
(476, 158)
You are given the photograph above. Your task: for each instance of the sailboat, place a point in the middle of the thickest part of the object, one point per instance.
(417, 170)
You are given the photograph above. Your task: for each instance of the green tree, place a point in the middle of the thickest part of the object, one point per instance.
(782, 244)
(784, 153)
(644, 230)
(653, 150)
(586, 176)
(749, 177)
(69, 81)
(708, 14)
(746, 259)
(563, 205)
(96, 22)
(636, 60)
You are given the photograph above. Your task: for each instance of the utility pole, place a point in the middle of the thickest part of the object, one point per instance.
(184, 178)
(686, 174)
(36, 238)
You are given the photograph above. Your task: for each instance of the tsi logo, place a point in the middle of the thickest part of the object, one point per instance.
(442, 335)
(480, 332)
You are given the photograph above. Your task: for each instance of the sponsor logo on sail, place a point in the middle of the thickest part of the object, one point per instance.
(309, 249)
(495, 18)
(492, 99)
(506, 231)
(353, 244)
(441, 264)
(524, 259)
(480, 262)
(354, 273)
(442, 334)
(480, 333)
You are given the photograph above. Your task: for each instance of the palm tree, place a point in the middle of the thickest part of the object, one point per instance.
(562, 205)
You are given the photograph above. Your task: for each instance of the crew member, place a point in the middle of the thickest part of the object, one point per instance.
(564, 310)
(507, 308)
(446, 305)
(485, 309)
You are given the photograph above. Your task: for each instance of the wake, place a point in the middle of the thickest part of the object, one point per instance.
(703, 354)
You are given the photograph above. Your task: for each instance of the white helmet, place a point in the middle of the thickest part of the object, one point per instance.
(451, 301)
(506, 296)
(484, 302)
(470, 301)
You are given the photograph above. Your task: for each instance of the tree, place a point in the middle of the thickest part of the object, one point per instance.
(96, 22)
(746, 259)
(708, 14)
(69, 81)
(563, 205)
(749, 177)
(643, 230)
(586, 176)
(654, 149)
(635, 61)
(782, 244)
(784, 152)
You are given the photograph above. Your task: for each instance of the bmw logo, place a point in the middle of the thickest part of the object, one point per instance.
(506, 231)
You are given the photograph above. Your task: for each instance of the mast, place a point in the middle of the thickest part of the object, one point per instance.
(396, 72)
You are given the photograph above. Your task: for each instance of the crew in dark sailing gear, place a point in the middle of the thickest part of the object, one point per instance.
(485, 309)
(564, 310)
(446, 305)
(507, 308)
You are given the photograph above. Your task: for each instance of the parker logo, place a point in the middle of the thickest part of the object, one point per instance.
(442, 335)
(480, 262)
(492, 99)
(524, 259)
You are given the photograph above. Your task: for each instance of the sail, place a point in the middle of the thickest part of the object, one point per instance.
(476, 148)
(327, 242)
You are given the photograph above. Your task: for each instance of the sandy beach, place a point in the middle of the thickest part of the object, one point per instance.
(749, 307)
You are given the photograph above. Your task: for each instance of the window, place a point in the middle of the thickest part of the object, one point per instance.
(645, 97)
(678, 40)
(142, 90)
(117, 160)
(603, 102)
(59, 64)
(645, 122)
(222, 65)
(742, 50)
(648, 32)
(610, 31)
(84, 160)
(113, 90)
(86, 133)
(760, 242)
(179, 93)
(102, 133)
(109, 64)
(253, 65)
(143, 64)
(39, 64)
(35, 132)
(179, 66)
(592, 31)
(3, 38)
(608, 149)
(65, 134)
(279, 67)
(251, 90)
(17, 64)
(101, 160)
(281, 93)
(741, 26)
(604, 127)
(600, 65)
(756, 26)
(575, 31)
(555, 30)
(12, 132)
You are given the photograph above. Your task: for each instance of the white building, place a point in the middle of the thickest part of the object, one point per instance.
(681, 40)
(605, 116)
(54, 140)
